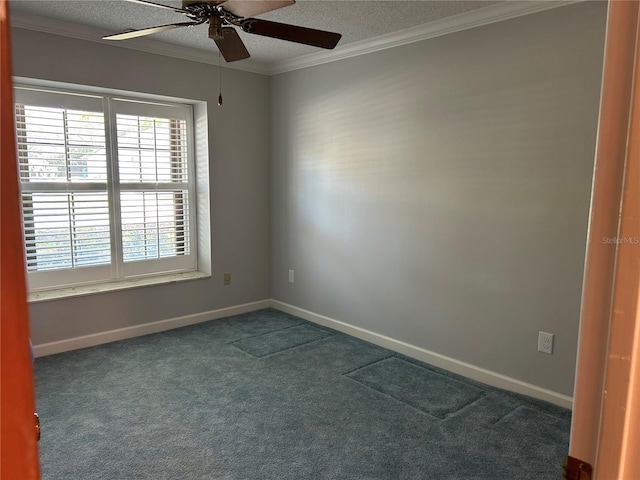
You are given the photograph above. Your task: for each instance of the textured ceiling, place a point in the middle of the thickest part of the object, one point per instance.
(356, 20)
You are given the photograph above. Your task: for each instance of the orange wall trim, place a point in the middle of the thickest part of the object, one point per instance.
(18, 444)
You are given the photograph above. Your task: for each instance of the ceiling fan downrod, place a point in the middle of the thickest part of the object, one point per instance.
(215, 28)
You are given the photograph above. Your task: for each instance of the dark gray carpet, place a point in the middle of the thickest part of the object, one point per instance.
(269, 396)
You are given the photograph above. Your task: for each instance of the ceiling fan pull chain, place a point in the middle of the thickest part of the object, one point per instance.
(219, 81)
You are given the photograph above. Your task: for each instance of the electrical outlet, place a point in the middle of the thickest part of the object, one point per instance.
(227, 279)
(545, 342)
(291, 276)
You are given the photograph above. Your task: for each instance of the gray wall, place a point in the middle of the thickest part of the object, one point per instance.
(438, 193)
(239, 180)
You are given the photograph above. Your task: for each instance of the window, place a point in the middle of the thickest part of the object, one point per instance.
(107, 187)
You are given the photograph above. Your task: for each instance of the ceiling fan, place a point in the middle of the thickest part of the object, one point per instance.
(221, 14)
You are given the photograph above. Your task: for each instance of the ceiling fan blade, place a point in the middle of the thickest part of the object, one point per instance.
(231, 45)
(250, 8)
(166, 7)
(148, 31)
(292, 33)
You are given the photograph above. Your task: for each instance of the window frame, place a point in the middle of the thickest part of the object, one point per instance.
(112, 103)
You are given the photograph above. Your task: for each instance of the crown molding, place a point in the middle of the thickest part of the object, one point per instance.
(92, 34)
(463, 21)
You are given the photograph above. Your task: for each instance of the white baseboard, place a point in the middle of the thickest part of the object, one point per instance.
(450, 364)
(456, 366)
(144, 329)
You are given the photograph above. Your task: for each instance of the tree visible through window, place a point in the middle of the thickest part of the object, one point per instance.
(104, 196)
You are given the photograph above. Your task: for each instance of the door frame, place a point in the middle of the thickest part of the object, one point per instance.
(606, 394)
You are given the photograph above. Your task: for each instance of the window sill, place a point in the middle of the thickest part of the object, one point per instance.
(82, 290)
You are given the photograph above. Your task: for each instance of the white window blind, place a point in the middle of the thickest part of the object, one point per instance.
(106, 187)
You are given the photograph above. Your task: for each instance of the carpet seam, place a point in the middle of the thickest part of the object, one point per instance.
(480, 394)
(395, 399)
(262, 334)
(369, 364)
(504, 416)
(531, 407)
(280, 351)
(293, 348)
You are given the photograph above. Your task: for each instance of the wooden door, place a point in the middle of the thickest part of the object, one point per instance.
(18, 437)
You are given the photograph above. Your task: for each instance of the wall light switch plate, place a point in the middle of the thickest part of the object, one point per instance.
(291, 276)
